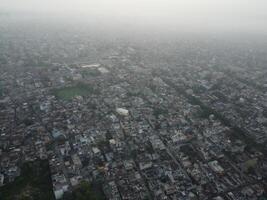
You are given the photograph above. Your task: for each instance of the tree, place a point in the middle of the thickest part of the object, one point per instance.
(85, 191)
(250, 164)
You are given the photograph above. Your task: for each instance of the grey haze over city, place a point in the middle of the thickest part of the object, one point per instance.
(177, 15)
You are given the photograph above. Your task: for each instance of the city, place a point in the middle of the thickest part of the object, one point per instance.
(140, 124)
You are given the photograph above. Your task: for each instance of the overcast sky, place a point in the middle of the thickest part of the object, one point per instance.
(248, 15)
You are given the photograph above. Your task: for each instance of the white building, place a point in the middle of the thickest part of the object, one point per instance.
(122, 111)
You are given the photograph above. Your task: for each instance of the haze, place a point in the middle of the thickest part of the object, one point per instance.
(198, 15)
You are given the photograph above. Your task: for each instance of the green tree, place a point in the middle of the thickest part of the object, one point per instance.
(85, 191)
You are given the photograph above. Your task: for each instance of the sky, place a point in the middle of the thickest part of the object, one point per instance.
(247, 15)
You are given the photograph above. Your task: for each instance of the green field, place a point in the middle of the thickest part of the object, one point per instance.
(67, 93)
(34, 183)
